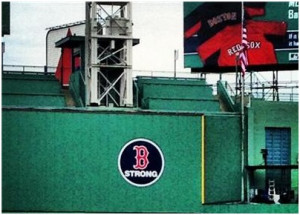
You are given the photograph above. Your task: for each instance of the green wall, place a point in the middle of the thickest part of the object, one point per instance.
(264, 114)
(222, 158)
(77, 88)
(33, 100)
(67, 161)
(42, 84)
(176, 94)
(31, 90)
(200, 105)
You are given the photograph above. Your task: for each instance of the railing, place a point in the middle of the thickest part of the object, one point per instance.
(26, 69)
(286, 97)
(170, 74)
(287, 91)
(39, 70)
(224, 90)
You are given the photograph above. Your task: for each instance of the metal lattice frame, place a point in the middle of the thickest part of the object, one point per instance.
(109, 53)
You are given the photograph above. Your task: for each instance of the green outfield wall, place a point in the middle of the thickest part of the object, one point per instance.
(68, 161)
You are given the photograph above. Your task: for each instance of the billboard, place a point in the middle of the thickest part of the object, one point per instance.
(212, 35)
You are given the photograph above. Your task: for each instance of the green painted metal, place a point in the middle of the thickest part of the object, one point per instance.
(192, 61)
(225, 97)
(30, 84)
(264, 114)
(76, 88)
(31, 90)
(176, 94)
(177, 91)
(33, 100)
(67, 161)
(222, 158)
(199, 105)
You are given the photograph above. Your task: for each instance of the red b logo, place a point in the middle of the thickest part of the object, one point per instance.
(141, 157)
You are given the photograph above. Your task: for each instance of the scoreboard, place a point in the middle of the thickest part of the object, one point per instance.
(212, 35)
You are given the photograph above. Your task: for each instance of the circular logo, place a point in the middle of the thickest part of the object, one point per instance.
(141, 162)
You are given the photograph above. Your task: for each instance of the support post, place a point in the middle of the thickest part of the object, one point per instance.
(243, 191)
(175, 59)
(87, 53)
(3, 50)
(236, 77)
(243, 139)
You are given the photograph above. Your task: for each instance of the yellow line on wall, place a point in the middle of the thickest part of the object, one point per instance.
(202, 160)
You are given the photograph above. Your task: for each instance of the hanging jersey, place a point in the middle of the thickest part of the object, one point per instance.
(227, 42)
(209, 18)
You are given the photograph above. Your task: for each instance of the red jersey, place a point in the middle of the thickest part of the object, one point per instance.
(260, 50)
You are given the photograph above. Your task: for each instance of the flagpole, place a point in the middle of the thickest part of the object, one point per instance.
(242, 116)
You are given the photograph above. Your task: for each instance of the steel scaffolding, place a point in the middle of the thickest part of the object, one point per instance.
(108, 54)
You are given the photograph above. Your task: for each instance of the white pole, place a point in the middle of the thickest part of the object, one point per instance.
(242, 118)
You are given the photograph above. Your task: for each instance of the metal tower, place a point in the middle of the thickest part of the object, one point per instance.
(108, 54)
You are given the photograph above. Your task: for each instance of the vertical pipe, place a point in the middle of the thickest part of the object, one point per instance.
(202, 159)
(242, 138)
(128, 76)
(251, 81)
(242, 118)
(277, 89)
(236, 77)
(46, 67)
(3, 49)
(87, 53)
(175, 59)
(62, 68)
(273, 86)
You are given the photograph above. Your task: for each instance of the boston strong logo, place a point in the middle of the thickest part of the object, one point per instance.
(141, 162)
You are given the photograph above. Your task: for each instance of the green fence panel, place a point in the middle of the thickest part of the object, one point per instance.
(30, 85)
(177, 91)
(33, 100)
(222, 159)
(183, 104)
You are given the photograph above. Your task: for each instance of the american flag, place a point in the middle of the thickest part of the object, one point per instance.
(243, 53)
